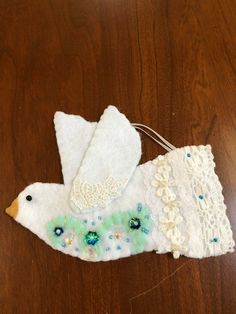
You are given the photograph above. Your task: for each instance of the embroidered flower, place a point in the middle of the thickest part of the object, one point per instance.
(171, 218)
(169, 223)
(74, 235)
(137, 225)
(171, 204)
(162, 165)
(162, 183)
(117, 233)
(59, 227)
(91, 242)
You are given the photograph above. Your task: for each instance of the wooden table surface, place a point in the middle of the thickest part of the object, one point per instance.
(168, 64)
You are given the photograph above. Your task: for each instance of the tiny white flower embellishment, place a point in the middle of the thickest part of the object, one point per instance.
(159, 161)
(169, 224)
(162, 165)
(161, 182)
(171, 204)
(170, 218)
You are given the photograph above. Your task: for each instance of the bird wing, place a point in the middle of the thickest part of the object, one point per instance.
(107, 165)
(73, 134)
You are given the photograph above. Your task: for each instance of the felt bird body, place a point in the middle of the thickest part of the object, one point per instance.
(110, 207)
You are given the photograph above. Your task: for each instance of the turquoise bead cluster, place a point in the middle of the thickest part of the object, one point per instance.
(130, 227)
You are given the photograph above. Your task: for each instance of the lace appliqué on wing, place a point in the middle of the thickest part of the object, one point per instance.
(170, 218)
(93, 195)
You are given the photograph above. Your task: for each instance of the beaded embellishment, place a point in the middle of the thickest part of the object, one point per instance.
(91, 195)
(123, 229)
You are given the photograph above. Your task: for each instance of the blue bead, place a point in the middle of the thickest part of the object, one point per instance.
(85, 221)
(77, 249)
(63, 245)
(201, 197)
(214, 240)
(144, 230)
(118, 247)
(110, 237)
(189, 155)
(93, 223)
(139, 207)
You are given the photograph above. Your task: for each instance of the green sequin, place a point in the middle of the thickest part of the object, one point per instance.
(91, 238)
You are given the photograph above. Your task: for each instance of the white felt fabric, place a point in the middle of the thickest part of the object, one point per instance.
(109, 162)
(193, 235)
(180, 188)
(73, 134)
(193, 179)
(49, 200)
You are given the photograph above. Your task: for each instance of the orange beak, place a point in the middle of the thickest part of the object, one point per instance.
(13, 209)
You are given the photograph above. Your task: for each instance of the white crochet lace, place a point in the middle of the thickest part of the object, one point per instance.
(209, 201)
(192, 217)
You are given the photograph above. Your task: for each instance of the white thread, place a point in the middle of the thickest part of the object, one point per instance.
(153, 138)
(166, 143)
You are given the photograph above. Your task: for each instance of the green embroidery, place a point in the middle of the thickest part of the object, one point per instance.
(131, 228)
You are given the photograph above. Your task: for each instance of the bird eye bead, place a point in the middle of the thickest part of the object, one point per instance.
(29, 198)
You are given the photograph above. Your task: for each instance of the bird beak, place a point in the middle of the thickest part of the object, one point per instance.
(13, 209)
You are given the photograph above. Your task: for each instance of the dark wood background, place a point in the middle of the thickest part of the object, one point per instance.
(168, 64)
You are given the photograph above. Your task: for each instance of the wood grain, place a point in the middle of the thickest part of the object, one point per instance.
(168, 64)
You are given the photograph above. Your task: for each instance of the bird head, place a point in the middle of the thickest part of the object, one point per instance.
(37, 204)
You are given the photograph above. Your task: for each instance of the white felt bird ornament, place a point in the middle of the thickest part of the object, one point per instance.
(110, 207)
